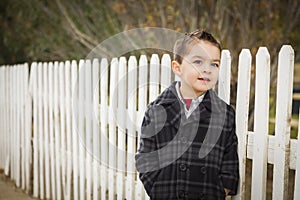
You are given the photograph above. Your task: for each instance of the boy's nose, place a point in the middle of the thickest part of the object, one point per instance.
(205, 68)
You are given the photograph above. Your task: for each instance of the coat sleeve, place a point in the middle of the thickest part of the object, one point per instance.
(147, 162)
(230, 163)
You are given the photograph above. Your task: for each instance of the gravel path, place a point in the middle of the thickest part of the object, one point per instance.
(8, 190)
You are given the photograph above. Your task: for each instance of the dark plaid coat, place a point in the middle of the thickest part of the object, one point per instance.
(194, 158)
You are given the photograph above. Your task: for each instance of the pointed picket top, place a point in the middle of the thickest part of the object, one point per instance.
(154, 59)
(122, 91)
(132, 85)
(96, 79)
(132, 62)
(103, 67)
(154, 77)
(225, 76)
(32, 77)
(113, 86)
(165, 71)
(122, 65)
(143, 60)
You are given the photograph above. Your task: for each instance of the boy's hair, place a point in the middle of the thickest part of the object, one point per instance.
(182, 45)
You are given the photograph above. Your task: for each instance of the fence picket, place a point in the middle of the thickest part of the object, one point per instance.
(51, 129)
(27, 128)
(165, 78)
(154, 77)
(225, 76)
(88, 126)
(112, 128)
(67, 190)
(103, 123)
(41, 129)
(57, 131)
(74, 82)
(81, 132)
(282, 125)
(297, 175)
(14, 122)
(8, 127)
(131, 121)
(22, 124)
(62, 124)
(33, 77)
(261, 124)
(2, 124)
(17, 125)
(46, 129)
(121, 116)
(142, 104)
(242, 110)
(96, 152)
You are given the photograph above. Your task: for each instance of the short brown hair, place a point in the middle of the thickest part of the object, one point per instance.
(181, 47)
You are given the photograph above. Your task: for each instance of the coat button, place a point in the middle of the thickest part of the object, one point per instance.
(182, 167)
(183, 140)
(202, 196)
(181, 194)
(203, 170)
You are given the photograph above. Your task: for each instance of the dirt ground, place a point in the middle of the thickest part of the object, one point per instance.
(8, 190)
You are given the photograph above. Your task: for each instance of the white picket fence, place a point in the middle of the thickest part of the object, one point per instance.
(69, 130)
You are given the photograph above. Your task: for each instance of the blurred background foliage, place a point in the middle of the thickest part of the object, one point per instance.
(59, 30)
(44, 30)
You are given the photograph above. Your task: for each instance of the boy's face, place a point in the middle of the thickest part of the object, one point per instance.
(199, 69)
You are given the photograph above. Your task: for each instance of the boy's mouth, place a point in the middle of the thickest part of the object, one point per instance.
(204, 79)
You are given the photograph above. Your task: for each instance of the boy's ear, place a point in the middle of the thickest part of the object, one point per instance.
(176, 67)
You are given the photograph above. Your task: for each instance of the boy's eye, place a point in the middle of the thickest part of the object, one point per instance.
(215, 64)
(197, 62)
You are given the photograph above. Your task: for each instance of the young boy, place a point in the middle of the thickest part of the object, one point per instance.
(188, 145)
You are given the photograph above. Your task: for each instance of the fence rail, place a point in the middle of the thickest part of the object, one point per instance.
(69, 130)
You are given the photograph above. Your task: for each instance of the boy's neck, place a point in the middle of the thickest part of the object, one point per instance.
(189, 95)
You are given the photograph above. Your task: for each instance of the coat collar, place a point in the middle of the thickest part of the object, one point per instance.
(211, 101)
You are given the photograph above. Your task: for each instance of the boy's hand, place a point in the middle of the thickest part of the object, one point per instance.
(226, 191)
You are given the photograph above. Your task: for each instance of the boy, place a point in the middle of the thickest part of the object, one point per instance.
(188, 146)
